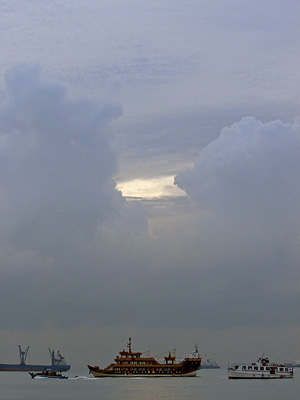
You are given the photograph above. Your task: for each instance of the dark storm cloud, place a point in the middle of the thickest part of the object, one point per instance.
(74, 252)
(57, 194)
(246, 183)
(57, 163)
(250, 164)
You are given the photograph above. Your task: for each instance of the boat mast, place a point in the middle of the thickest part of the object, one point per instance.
(23, 355)
(129, 345)
(51, 356)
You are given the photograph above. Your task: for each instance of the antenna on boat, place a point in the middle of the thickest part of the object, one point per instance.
(129, 345)
(23, 355)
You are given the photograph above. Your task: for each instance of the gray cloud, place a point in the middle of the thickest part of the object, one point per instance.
(250, 163)
(70, 240)
(162, 145)
(58, 198)
(246, 183)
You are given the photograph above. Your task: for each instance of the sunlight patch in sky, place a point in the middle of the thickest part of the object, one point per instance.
(150, 188)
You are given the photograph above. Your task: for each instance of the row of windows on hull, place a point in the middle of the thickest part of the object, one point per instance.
(146, 371)
(135, 363)
(250, 368)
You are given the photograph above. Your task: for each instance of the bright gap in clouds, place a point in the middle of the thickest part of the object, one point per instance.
(150, 188)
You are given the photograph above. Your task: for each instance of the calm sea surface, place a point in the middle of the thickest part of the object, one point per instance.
(210, 384)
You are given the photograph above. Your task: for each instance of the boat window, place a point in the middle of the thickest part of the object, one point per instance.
(262, 368)
(256, 368)
(244, 367)
(280, 369)
(250, 368)
(286, 369)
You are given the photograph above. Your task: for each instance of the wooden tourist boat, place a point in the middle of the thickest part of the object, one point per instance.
(133, 364)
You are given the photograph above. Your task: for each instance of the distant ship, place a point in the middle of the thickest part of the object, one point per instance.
(208, 364)
(58, 363)
(133, 364)
(295, 364)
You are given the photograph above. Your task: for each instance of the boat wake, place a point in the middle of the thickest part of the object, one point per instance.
(87, 378)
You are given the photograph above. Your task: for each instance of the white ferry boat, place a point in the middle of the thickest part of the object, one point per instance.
(261, 369)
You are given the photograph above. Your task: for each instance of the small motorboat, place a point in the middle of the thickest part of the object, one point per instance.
(48, 373)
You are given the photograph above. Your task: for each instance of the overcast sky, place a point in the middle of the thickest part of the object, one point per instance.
(149, 178)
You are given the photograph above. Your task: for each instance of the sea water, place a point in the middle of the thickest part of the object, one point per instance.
(208, 385)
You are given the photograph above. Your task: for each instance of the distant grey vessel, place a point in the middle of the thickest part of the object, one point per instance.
(295, 364)
(207, 364)
(58, 363)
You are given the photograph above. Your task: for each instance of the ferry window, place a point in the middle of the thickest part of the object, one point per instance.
(250, 368)
(268, 368)
(286, 369)
(261, 368)
(243, 367)
(281, 369)
(256, 368)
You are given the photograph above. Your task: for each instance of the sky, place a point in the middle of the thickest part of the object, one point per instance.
(149, 178)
